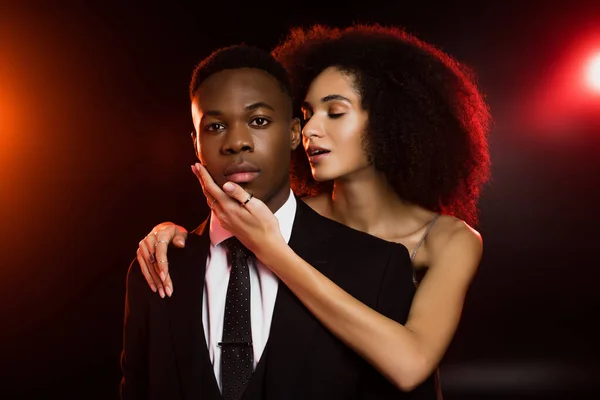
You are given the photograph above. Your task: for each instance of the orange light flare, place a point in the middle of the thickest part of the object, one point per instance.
(9, 121)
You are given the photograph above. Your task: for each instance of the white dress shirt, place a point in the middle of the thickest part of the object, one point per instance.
(263, 289)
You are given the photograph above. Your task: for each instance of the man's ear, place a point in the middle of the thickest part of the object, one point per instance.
(295, 133)
(195, 142)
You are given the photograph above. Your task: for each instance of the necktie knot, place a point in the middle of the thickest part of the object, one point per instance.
(237, 251)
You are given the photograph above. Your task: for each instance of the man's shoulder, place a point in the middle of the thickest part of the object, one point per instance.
(198, 239)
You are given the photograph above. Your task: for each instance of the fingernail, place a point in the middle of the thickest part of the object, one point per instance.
(163, 276)
(168, 290)
(153, 287)
(179, 242)
(161, 292)
(228, 186)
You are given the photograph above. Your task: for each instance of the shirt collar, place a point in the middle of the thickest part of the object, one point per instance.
(285, 215)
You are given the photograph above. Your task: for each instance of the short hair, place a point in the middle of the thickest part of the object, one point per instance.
(427, 121)
(238, 56)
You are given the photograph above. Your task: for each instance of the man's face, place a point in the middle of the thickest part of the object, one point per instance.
(245, 132)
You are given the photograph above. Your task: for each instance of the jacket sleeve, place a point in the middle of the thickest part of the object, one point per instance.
(134, 355)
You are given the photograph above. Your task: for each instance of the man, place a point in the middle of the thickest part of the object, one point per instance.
(197, 344)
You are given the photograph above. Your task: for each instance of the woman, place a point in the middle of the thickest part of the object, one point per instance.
(395, 145)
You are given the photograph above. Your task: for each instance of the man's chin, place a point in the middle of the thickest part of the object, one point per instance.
(248, 187)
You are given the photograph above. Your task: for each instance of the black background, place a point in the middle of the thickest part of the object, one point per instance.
(95, 150)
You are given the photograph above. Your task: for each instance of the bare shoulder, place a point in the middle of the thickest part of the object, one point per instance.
(448, 228)
(453, 238)
(320, 203)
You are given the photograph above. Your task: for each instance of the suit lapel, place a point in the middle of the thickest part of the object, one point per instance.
(292, 325)
(187, 269)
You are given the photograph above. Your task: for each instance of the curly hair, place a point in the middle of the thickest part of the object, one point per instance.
(238, 56)
(427, 121)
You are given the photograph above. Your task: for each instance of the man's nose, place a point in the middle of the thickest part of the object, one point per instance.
(238, 139)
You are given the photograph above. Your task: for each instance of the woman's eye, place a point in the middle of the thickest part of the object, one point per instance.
(334, 115)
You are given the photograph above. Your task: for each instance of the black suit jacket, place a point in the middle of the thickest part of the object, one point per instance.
(165, 355)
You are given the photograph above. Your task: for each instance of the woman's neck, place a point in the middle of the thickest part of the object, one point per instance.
(366, 202)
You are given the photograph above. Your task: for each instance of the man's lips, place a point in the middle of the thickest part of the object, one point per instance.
(243, 172)
(242, 177)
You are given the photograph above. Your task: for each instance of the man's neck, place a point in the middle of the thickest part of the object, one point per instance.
(276, 201)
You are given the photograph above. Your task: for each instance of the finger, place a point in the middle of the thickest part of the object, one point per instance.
(161, 270)
(159, 283)
(210, 200)
(151, 264)
(179, 232)
(145, 270)
(146, 253)
(168, 286)
(163, 238)
(161, 246)
(180, 236)
(149, 241)
(236, 192)
(167, 232)
(198, 175)
(208, 184)
(250, 203)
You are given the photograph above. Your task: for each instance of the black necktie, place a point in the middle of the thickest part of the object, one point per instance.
(237, 355)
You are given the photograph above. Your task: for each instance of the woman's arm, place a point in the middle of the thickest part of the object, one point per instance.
(406, 355)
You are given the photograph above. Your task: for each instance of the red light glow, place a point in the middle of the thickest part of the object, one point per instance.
(593, 73)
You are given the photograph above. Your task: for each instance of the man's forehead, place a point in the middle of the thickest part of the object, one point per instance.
(241, 79)
(242, 94)
(235, 103)
(238, 85)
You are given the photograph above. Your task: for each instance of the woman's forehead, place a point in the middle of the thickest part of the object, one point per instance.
(330, 82)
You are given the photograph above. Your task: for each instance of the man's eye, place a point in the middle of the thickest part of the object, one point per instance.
(260, 122)
(214, 127)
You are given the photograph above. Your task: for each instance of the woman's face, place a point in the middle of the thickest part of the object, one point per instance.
(334, 126)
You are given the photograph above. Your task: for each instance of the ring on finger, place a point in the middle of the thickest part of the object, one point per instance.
(250, 196)
(162, 261)
(160, 241)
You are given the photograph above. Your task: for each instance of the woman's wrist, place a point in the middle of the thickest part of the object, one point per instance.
(274, 254)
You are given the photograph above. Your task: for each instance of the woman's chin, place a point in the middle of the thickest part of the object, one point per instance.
(322, 177)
